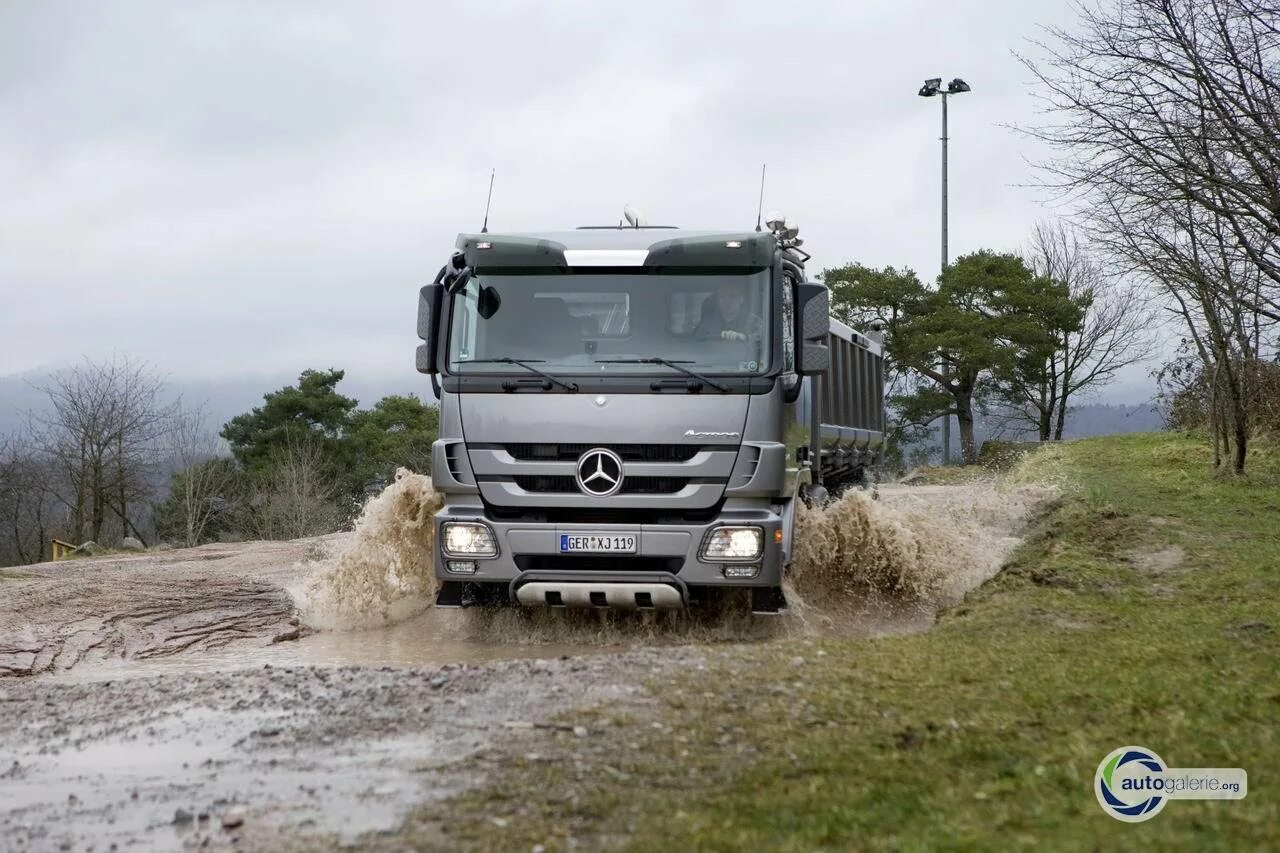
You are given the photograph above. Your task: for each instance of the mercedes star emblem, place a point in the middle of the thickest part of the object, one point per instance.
(599, 472)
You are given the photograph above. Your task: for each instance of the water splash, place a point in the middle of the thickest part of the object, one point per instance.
(927, 544)
(861, 566)
(727, 620)
(385, 571)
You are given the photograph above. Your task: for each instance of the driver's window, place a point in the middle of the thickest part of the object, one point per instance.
(462, 342)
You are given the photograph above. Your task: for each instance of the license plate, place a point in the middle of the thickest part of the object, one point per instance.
(597, 543)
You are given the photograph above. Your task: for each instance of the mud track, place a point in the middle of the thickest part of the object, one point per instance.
(58, 616)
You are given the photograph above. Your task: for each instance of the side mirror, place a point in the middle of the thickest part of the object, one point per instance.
(429, 301)
(813, 325)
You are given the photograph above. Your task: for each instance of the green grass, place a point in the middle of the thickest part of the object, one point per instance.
(983, 733)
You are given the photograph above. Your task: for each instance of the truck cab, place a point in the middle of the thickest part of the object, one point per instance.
(628, 416)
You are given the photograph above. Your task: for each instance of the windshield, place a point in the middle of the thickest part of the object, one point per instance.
(710, 323)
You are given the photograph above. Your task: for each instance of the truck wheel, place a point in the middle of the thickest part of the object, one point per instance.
(814, 495)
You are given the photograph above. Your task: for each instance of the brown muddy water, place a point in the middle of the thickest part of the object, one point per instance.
(305, 692)
(868, 565)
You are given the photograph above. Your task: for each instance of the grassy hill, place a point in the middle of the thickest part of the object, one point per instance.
(1143, 609)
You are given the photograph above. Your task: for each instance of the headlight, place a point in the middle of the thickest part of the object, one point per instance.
(733, 543)
(467, 539)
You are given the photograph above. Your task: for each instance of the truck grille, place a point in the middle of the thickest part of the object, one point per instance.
(653, 485)
(551, 484)
(527, 452)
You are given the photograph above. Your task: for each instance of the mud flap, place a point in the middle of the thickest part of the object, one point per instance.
(768, 601)
(455, 594)
(450, 595)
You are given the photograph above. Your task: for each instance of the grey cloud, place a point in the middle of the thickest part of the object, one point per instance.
(236, 187)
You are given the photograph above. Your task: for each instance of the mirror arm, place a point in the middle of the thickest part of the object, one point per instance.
(456, 273)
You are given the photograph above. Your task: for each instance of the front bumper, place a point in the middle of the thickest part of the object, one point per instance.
(531, 548)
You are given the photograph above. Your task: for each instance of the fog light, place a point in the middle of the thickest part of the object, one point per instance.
(733, 543)
(467, 539)
(461, 567)
(741, 572)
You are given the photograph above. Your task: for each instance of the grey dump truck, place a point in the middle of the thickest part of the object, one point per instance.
(629, 416)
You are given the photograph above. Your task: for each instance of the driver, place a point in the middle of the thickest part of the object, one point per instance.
(726, 316)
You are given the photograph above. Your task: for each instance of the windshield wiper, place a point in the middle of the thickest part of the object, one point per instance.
(526, 363)
(674, 365)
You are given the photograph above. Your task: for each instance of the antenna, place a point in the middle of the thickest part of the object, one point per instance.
(484, 229)
(760, 205)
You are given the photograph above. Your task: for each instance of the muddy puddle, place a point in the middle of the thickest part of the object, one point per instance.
(438, 637)
(430, 638)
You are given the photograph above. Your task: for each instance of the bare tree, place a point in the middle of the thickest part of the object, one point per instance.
(1116, 330)
(104, 431)
(296, 494)
(1211, 285)
(199, 484)
(1166, 118)
(29, 506)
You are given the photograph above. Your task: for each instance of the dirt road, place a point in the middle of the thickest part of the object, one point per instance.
(175, 699)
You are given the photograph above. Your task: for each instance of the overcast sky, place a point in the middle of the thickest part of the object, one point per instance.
(237, 188)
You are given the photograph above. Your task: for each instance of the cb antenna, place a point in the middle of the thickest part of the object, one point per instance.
(484, 229)
(760, 204)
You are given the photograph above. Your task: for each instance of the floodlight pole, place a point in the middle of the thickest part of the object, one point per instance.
(944, 181)
(946, 368)
(933, 86)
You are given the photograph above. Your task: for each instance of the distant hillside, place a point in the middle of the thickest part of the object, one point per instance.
(1083, 421)
(1102, 419)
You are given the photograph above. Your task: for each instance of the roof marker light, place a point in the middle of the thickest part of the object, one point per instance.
(733, 244)
(484, 245)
